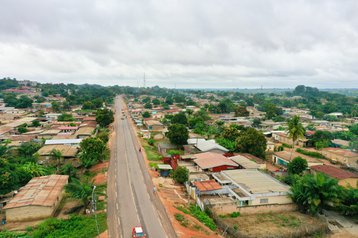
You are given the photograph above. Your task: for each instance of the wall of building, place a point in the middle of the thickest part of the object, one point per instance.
(28, 213)
(221, 168)
(230, 208)
(271, 200)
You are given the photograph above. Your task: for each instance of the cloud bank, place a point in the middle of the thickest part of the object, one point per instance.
(182, 43)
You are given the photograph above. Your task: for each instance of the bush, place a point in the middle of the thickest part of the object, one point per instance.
(286, 145)
(202, 217)
(311, 153)
(181, 175)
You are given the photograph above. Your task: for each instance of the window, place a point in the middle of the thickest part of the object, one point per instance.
(264, 200)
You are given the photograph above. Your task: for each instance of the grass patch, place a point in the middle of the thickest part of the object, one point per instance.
(181, 219)
(154, 165)
(204, 218)
(230, 215)
(152, 154)
(311, 153)
(196, 212)
(78, 226)
(286, 145)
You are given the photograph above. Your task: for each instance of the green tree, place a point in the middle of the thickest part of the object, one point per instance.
(24, 102)
(65, 117)
(180, 118)
(240, 111)
(104, 117)
(35, 123)
(271, 110)
(80, 190)
(177, 134)
(295, 130)
(256, 123)
(68, 169)
(230, 132)
(349, 201)
(92, 151)
(146, 114)
(33, 169)
(252, 141)
(148, 105)
(297, 166)
(27, 149)
(22, 129)
(156, 102)
(56, 155)
(181, 174)
(312, 192)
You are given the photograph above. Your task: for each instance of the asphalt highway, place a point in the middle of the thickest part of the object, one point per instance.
(131, 200)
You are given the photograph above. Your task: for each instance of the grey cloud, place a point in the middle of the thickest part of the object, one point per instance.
(191, 43)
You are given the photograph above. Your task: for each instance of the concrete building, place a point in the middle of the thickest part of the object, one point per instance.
(343, 156)
(252, 187)
(283, 158)
(344, 177)
(247, 161)
(196, 145)
(38, 199)
(213, 162)
(153, 125)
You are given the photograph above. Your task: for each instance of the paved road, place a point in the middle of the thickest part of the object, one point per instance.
(131, 200)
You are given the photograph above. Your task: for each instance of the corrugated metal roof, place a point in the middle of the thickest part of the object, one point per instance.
(334, 172)
(211, 160)
(40, 191)
(245, 162)
(255, 182)
(208, 185)
(63, 141)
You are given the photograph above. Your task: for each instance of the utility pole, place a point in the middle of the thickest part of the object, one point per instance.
(94, 208)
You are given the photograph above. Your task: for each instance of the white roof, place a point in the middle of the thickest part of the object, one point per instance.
(255, 182)
(245, 162)
(205, 145)
(164, 166)
(63, 141)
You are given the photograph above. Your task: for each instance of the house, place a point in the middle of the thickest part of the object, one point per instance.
(196, 145)
(38, 199)
(250, 187)
(68, 129)
(89, 121)
(343, 156)
(213, 162)
(163, 147)
(206, 187)
(340, 143)
(344, 177)
(247, 161)
(283, 137)
(47, 134)
(283, 158)
(67, 151)
(84, 132)
(63, 142)
(164, 169)
(153, 125)
(52, 116)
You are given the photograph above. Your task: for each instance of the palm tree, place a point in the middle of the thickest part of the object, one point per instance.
(56, 155)
(314, 192)
(80, 190)
(295, 130)
(33, 169)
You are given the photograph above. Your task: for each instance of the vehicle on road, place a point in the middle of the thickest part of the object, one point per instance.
(138, 232)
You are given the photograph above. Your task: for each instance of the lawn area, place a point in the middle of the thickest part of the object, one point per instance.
(152, 153)
(288, 224)
(78, 226)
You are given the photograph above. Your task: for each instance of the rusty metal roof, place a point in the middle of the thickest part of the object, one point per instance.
(208, 185)
(40, 191)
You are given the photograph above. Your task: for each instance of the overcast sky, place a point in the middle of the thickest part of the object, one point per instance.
(182, 43)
